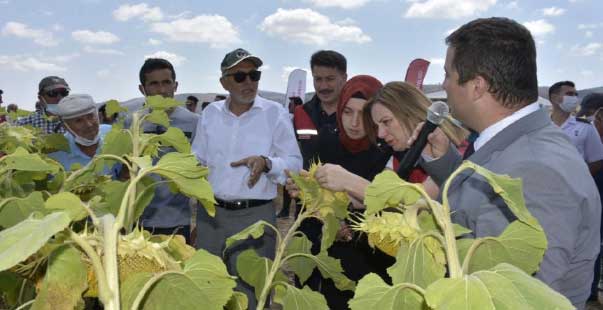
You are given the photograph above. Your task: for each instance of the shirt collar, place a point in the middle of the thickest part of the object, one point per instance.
(258, 103)
(489, 133)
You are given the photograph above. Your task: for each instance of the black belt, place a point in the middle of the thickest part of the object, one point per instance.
(241, 204)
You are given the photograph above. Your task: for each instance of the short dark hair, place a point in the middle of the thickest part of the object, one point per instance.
(555, 88)
(330, 59)
(193, 99)
(591, 103)
(153, 64)
(501, 51)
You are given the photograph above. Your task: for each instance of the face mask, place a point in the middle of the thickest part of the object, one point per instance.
(569, 103)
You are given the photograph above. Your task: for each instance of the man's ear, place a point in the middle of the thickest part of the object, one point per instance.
(141, 89)
(175, 86)
(479, 87)
(223, 83)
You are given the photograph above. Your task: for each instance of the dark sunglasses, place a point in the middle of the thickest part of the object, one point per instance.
(55, 93)
(240, 77)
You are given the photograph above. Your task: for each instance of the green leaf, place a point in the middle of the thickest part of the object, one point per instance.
(503, 287)
(330, 268)
(11, 285)
(23, 161)
(388, 190)
(203, 281)
(142, 162)
(417, 263)
(22, 240)
(159, 102)
(292, 298)
(117, 142)
(186, 173)
(177, 247)
(55, 142)
(458, 294)
(112, 106)
(302, 266)
(253, 269)
(19, 209)
(158, 117)
(330, 227)
(519, 244)
(113, 193)
(255, 230)
(373, 293)
(68, 202)
(238, 301)
(175, 138)
(65, 280)
(509, 189)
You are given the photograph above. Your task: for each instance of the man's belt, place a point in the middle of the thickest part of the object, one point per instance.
(241, 204)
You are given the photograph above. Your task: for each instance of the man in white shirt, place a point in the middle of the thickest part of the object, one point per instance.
(247, 142)
(492, 88)
(564, 99)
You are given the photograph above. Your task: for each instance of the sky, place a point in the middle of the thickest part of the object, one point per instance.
(99, 46)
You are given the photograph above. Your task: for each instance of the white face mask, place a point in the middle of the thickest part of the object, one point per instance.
(569, 103)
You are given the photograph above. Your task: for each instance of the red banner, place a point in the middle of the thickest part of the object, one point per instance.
(417, 69)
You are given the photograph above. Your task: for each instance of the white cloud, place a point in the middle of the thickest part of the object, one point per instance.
(66, 58)
(57, 27)
(154, 42)
(102, 51)
(588, 34)
(175, 59)
(344, 4)
(513, 5)
(310, 27)
(39, 36)
(553, 11)
(94, 37)
(451, 9)
(215, 30)
(103, 73)
(28, 63)
(539, 27)
(587, 73)
(589, 26)
(588, 49)
(142, 10)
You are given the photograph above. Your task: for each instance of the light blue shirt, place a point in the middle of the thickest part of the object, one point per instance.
(75, 155)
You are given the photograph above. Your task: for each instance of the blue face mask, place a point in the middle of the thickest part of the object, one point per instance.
(569, 104)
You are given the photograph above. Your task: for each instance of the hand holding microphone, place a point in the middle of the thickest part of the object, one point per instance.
(426, 132)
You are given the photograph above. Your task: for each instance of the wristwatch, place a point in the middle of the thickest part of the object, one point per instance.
(268, 165)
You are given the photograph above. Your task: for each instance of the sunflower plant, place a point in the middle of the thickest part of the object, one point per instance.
(67, 235)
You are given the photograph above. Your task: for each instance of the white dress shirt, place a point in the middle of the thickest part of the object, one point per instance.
(497, 127)
(264, 130)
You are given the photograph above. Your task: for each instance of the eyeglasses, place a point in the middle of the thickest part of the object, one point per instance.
(240, 77)
(56, 93)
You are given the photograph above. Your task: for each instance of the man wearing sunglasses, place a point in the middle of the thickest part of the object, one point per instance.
(247, 142)
(50, 91)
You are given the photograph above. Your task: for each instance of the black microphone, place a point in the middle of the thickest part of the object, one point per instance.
(436, 114)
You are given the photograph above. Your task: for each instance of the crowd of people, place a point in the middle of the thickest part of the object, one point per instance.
(357, 127)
